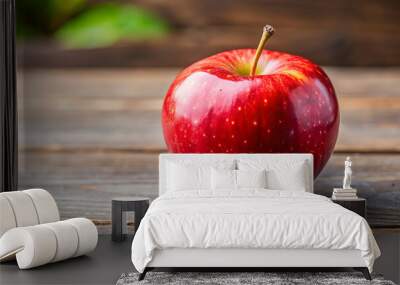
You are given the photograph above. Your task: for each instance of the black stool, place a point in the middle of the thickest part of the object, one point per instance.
(120, 206)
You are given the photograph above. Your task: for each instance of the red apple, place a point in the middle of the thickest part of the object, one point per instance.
(288, 106)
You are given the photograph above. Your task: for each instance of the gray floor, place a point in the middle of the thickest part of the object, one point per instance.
(111, 259)
(103, 266)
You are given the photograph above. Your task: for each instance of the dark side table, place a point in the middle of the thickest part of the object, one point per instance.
(358, 205)
(120, 206)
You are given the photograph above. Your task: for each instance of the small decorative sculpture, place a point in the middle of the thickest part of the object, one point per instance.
(347, 174)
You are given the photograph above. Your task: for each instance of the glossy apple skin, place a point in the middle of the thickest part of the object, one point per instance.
(289, 106)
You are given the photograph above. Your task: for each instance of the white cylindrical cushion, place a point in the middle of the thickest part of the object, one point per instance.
(87, 234)
(37, 245)
(67, 240)
(34, 246)
(45, 205)
(23, 208)
(7, 218)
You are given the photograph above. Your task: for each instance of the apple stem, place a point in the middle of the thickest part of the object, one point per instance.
(268, 31)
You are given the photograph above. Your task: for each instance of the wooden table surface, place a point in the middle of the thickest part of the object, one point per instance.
(87, 135)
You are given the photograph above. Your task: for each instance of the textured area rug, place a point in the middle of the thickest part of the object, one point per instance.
(230, 278)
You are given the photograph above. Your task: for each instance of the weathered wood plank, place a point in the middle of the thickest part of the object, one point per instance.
(84, 183)
(183, 48)
(120, 109)
(332, 15)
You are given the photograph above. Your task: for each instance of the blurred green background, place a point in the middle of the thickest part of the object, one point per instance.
(85, 24)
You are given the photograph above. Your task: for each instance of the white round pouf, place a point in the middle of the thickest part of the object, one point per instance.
(46, 207)
(7, 217)
(23, 208)
(67, 240)
(87, 233)
(33, 246)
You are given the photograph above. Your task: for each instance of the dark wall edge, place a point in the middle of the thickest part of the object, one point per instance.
(8, 101)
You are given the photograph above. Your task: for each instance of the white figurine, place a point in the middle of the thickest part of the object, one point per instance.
(347, 173)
